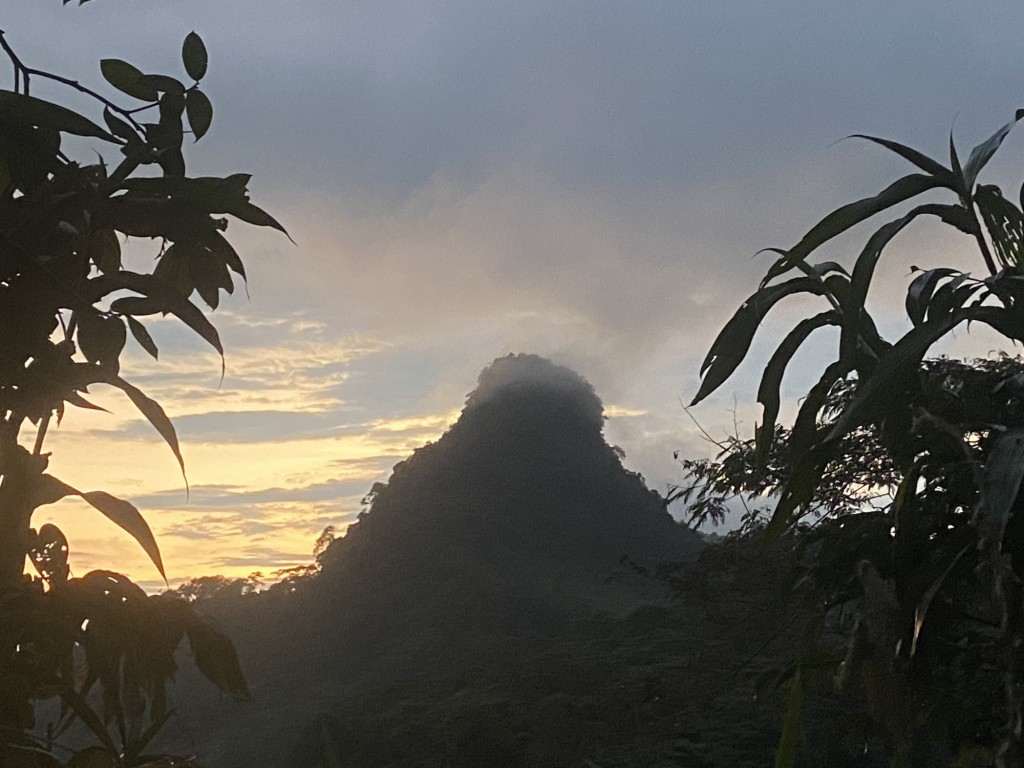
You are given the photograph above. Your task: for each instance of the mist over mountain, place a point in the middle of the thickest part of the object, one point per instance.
(482, 549)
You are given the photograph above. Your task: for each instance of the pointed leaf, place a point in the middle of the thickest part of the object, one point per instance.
(921, 160)
(118, 511)
(895, 371)
(851, 214)
(733, 342)
(193, 56)
(125, 78)
(154, 414)
(771, 379)
(920, 292)
(199, 111)
(864, 270)
(164, 84)
(982, 153)
(142, 336)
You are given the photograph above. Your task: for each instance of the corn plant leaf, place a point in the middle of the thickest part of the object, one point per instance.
(849, 215)
(896, 369)
(1001, 483)
(864, 270)
(733, 342)
(771, 379)
(921, 160)
(921, 289)
(982, 153)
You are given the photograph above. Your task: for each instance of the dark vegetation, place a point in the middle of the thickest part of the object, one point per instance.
(502, 600)
(96, 646)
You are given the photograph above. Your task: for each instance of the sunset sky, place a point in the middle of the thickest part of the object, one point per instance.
(588, 181)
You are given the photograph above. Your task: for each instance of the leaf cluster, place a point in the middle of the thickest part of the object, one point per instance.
(912, 468)
(68, 304)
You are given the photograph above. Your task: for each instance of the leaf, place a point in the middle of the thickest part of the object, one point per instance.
(848, 215)
(199, 111)
(910, 154)
(785, 753)
(101, 339)
(921, 610)
(1001, 483)
(193, 56)
(733, 341)
(119, 127)
(920, 292)
(105, 250)
(28, 110)
(896, 369)
(864, 270)
(982, 153)
(216, 658)
(49, 554)
(120, 512)
(154, 413)
(142, 336)
(125, 78)
(771, 379)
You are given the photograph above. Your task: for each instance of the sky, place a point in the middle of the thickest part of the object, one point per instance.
(588, 181)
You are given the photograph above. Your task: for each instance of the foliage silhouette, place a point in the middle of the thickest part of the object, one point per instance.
(932, 574)
(67, 306)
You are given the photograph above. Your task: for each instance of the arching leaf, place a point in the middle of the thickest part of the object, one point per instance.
(118, 511)
(920, 292)
(982, 153)
(735, 338)
(154, 414)
(851, 214)
(142, 336)
(921, 160)
(771, 379)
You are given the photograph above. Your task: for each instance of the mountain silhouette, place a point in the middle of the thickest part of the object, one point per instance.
(516, 525)
(521, 493)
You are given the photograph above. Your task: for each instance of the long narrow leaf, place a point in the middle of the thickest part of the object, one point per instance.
(124, 514)
(864, 270)
(920, 292)
(894, 372)
(921, 160)
(733, 342)
(154, 413)
(851, 214)
(789, 740)
(771, 379)
(982, 153)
